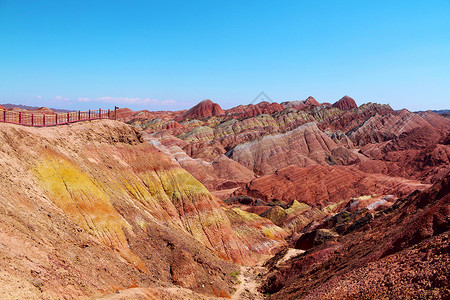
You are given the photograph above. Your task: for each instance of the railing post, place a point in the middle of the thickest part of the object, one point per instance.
(56, 119)
(115, 112)
(79, 115)
(32, 120)
(89, 115)
(100, 113)
(4, 116)
(68, 118)
(20, 117)
(43, 120)
(109, 114)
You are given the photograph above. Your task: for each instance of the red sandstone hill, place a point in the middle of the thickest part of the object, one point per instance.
(268, 136)
(345, 103)
(123, 113)
(304, 146)
(398, 253)
(251, 110)
(220, 174)
(321, 185)
(422, 153)
(204, 109)
(310, 101)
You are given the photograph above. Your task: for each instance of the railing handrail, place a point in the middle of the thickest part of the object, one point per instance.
(28, 118)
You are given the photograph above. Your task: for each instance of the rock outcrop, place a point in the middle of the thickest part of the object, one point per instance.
(420, 153)
(323, 185)
(345, 103)
(310, 102)
(304, 146)
(402, 251)
(251, 110)
(220, 174)
(204, 109)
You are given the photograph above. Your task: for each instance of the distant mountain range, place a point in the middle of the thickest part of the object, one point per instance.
(439, 111)
(9, 105)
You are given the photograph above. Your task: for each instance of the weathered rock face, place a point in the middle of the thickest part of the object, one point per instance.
(310, 102)
(351, 120)
(304, 146)
(402, 251)
(323, 185)
(93, 198)
(380, 128)
(268, 136)
(297, 104)
(156, 124)
(204, 109)
(345, 103)
(313, 238)
(257, 233)
(251, 110)
(220, 174)
(419, 153)
(165, 138)
(340, 138)
(295, 217)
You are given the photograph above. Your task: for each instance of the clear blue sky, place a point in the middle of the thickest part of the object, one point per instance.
(168, 55)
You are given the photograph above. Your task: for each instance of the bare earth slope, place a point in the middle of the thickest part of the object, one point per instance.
(399, 253)
(128, 211)
(91, 209)
(322, 185)
(304, 146)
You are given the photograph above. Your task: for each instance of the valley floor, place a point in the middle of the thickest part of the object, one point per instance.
(250, 280)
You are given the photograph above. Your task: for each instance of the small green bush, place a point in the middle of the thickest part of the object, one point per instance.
(235, 274)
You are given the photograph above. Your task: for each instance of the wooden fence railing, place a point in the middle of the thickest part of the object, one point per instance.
(43, 120)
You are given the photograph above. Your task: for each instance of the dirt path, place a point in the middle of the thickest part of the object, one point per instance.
(250, 278)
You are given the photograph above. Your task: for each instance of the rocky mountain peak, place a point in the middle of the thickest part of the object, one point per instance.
(204, 109)
(345, 103)
(311, 101)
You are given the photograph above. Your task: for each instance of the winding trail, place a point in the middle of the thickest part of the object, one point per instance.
(251, 277)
